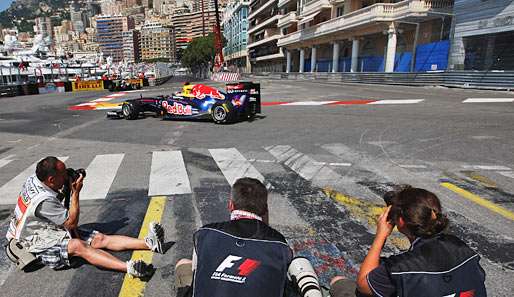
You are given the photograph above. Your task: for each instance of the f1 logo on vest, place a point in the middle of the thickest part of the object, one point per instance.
(246, 267)
(463, 294)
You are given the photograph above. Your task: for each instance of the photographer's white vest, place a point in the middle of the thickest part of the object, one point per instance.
(33, 232)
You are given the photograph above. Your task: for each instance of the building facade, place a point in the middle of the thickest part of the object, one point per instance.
(158, 42)
(109, 35)
(263, 35)
(235, 31)
(483, 37)
(189, 25)
(365, 35)
(131, 46)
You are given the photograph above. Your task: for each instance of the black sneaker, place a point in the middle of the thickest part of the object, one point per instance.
(139, 268)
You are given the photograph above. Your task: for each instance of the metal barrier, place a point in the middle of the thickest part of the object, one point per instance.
(495, 80)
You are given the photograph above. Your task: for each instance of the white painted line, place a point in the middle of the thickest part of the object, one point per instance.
(116, 95)
(412, 166)
(340, 164)
(103, 99)
(488, 100)
(308, 168)
(265, 161)
(486, 167)
(6, 160)
(10, 191)
(234, 165)
(507, 173)
(106, 107)
(308, 103)
(168, 175)
(99, 176)
(137, 91)
(399, 101)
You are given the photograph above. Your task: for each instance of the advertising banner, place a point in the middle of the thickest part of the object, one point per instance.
(88, 85)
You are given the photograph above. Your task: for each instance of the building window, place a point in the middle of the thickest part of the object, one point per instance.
(340, 11)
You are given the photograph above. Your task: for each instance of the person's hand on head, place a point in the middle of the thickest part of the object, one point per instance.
(384, 227)
(76, 186)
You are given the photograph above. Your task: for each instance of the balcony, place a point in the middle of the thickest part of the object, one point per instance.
(263, 41)
(315, 6)
(380, 12)
(287, 19)
(254, 13)
(283, 2)
(263, 24)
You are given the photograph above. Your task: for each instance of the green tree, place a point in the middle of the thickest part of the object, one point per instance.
(199, 54)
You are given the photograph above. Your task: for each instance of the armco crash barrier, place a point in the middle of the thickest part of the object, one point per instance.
(87, 85)
(48, 88)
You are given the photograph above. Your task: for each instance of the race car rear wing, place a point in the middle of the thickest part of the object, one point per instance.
(252, 89)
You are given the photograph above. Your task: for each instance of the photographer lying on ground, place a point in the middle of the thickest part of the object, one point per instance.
(240, 257)
(47, 229)
(436, 264)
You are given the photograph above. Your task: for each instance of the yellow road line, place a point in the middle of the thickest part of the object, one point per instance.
(133, 286)
(367, 212)
(479, 200)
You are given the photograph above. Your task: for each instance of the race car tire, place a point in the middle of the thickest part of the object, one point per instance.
(130, 110)
(219, 114)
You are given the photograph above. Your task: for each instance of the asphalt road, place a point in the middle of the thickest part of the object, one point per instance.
(326, 166)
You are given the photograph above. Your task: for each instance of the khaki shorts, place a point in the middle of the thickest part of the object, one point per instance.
(343, 288)
(184, 280)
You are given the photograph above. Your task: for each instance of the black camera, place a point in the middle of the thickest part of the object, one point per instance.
(73, 174)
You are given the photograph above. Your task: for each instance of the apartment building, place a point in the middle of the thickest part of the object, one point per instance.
(109, 34)
(131, 46)
(235, 31)
(158, 41)
(365, 35)
(263, 35)
(189, 25)
(483, 35)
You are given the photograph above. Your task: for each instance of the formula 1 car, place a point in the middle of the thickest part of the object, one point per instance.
(238, 102)
(125, 85)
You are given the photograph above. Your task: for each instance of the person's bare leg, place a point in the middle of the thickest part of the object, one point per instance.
(95, 256)
(118, 243)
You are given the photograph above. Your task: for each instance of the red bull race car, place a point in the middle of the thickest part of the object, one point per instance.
(239, 101)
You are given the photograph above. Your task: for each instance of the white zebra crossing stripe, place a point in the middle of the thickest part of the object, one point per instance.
(9, 192)
(234, 165)
(168, 175)
(4, 162)
(507, 173)
(304, 166)
(100, 175)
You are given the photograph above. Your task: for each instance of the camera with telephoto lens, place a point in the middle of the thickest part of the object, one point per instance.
(305, 279)
(73, 175)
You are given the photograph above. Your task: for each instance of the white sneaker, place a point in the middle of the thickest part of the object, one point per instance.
(139, 268)
(155, 238)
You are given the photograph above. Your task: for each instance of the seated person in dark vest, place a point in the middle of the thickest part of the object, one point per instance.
(436, 264)
(240, 257)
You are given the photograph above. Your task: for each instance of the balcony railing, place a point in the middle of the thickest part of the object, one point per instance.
(283, 2)
(263, 24)
(263, 41)
(374, 13)
(287, 19)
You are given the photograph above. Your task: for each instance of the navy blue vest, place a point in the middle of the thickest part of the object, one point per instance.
(436, 267)
(230, 265)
